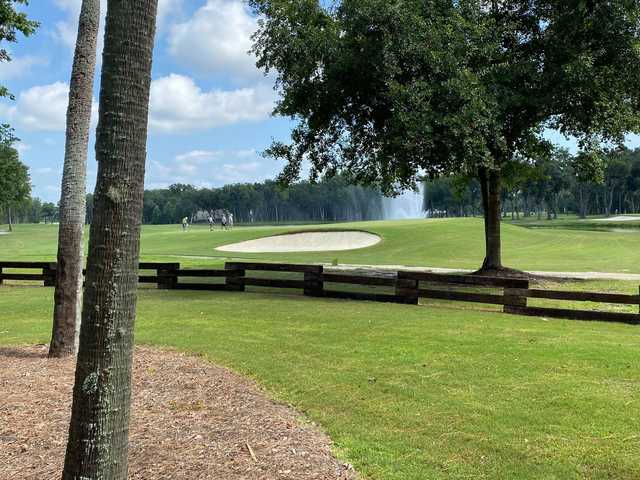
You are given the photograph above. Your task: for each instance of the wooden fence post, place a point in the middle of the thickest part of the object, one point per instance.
(235, 282)
(313, 283)
(514, 298)
(168, 276)
(407, 289)
(49, 273)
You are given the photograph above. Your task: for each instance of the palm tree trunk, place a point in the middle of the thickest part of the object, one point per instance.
(99, 429)
(68, 289)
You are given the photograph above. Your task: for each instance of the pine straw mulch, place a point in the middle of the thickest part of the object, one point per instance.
(190, 420)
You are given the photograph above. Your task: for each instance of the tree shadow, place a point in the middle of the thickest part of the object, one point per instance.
(24, 352)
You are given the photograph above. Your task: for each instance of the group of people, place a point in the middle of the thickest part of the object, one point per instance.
(226, 222)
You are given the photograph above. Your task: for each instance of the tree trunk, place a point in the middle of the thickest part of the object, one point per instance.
(68, 288)
(99, 428)
(9, 218)
(493, 248)
(608, 199)
(583, 202)
(490, 190)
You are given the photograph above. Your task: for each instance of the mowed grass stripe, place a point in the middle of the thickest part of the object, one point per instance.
(451, 243)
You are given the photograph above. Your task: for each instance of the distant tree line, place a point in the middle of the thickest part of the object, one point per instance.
(331, 199)
(31, 210)
(558, 184)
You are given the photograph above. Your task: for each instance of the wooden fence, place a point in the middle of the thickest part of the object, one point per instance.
(405, 287)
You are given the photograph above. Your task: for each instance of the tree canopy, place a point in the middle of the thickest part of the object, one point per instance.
(15, 184)
(12, 22)
(389, 91)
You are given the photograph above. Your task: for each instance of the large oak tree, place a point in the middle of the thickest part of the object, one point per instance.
(390, 91)
(98, 433)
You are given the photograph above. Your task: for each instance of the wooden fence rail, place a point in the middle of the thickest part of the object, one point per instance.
(406, 287)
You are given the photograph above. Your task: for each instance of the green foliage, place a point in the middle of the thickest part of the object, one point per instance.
(15, 184)
(387, 91)
(589, 166)
(330, 199)
(12, 22)
(7, 138)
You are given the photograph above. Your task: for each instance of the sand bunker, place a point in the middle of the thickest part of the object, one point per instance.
(305, 242)
(619, 218)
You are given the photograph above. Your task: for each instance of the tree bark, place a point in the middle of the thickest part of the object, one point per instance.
(490, 186)
(583, 201)
(98, 434)
(68, 288)
(10, 221)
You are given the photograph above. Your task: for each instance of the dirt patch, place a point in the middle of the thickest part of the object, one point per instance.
(190, 420)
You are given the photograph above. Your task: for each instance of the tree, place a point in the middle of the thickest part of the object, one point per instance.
(69, 278)
(13, 22)
(588, 168)
(15, 183)
(617, 171)
(98, 434)
(391, 91)
(7, 136)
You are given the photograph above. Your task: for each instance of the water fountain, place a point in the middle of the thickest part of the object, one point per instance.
(405, 206)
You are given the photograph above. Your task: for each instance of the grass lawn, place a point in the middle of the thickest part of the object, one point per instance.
(453, 243)
(410, 392)
(589, 223)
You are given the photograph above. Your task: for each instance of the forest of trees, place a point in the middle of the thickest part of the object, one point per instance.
(553, 186)
(329, 200)
(546, 189)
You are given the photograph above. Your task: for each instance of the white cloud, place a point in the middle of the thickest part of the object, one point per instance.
(20, 66)
(166, 8)
(22, 147)
(216, 40)
(66, 30)
(179, 105)
(207, 168)
(42, 108)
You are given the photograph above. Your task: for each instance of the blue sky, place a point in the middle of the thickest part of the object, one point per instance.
(210, 107)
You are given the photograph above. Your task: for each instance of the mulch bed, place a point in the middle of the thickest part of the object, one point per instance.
(190, 420)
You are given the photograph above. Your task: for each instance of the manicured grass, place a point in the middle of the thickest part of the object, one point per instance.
(453, 243)
(410, 392)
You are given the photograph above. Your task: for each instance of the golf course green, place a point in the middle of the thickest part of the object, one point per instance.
(449, 243)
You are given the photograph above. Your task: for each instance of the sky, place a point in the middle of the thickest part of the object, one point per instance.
(210, 107)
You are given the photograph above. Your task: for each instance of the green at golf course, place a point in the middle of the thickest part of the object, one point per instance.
(450, 243)
(439, 391)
